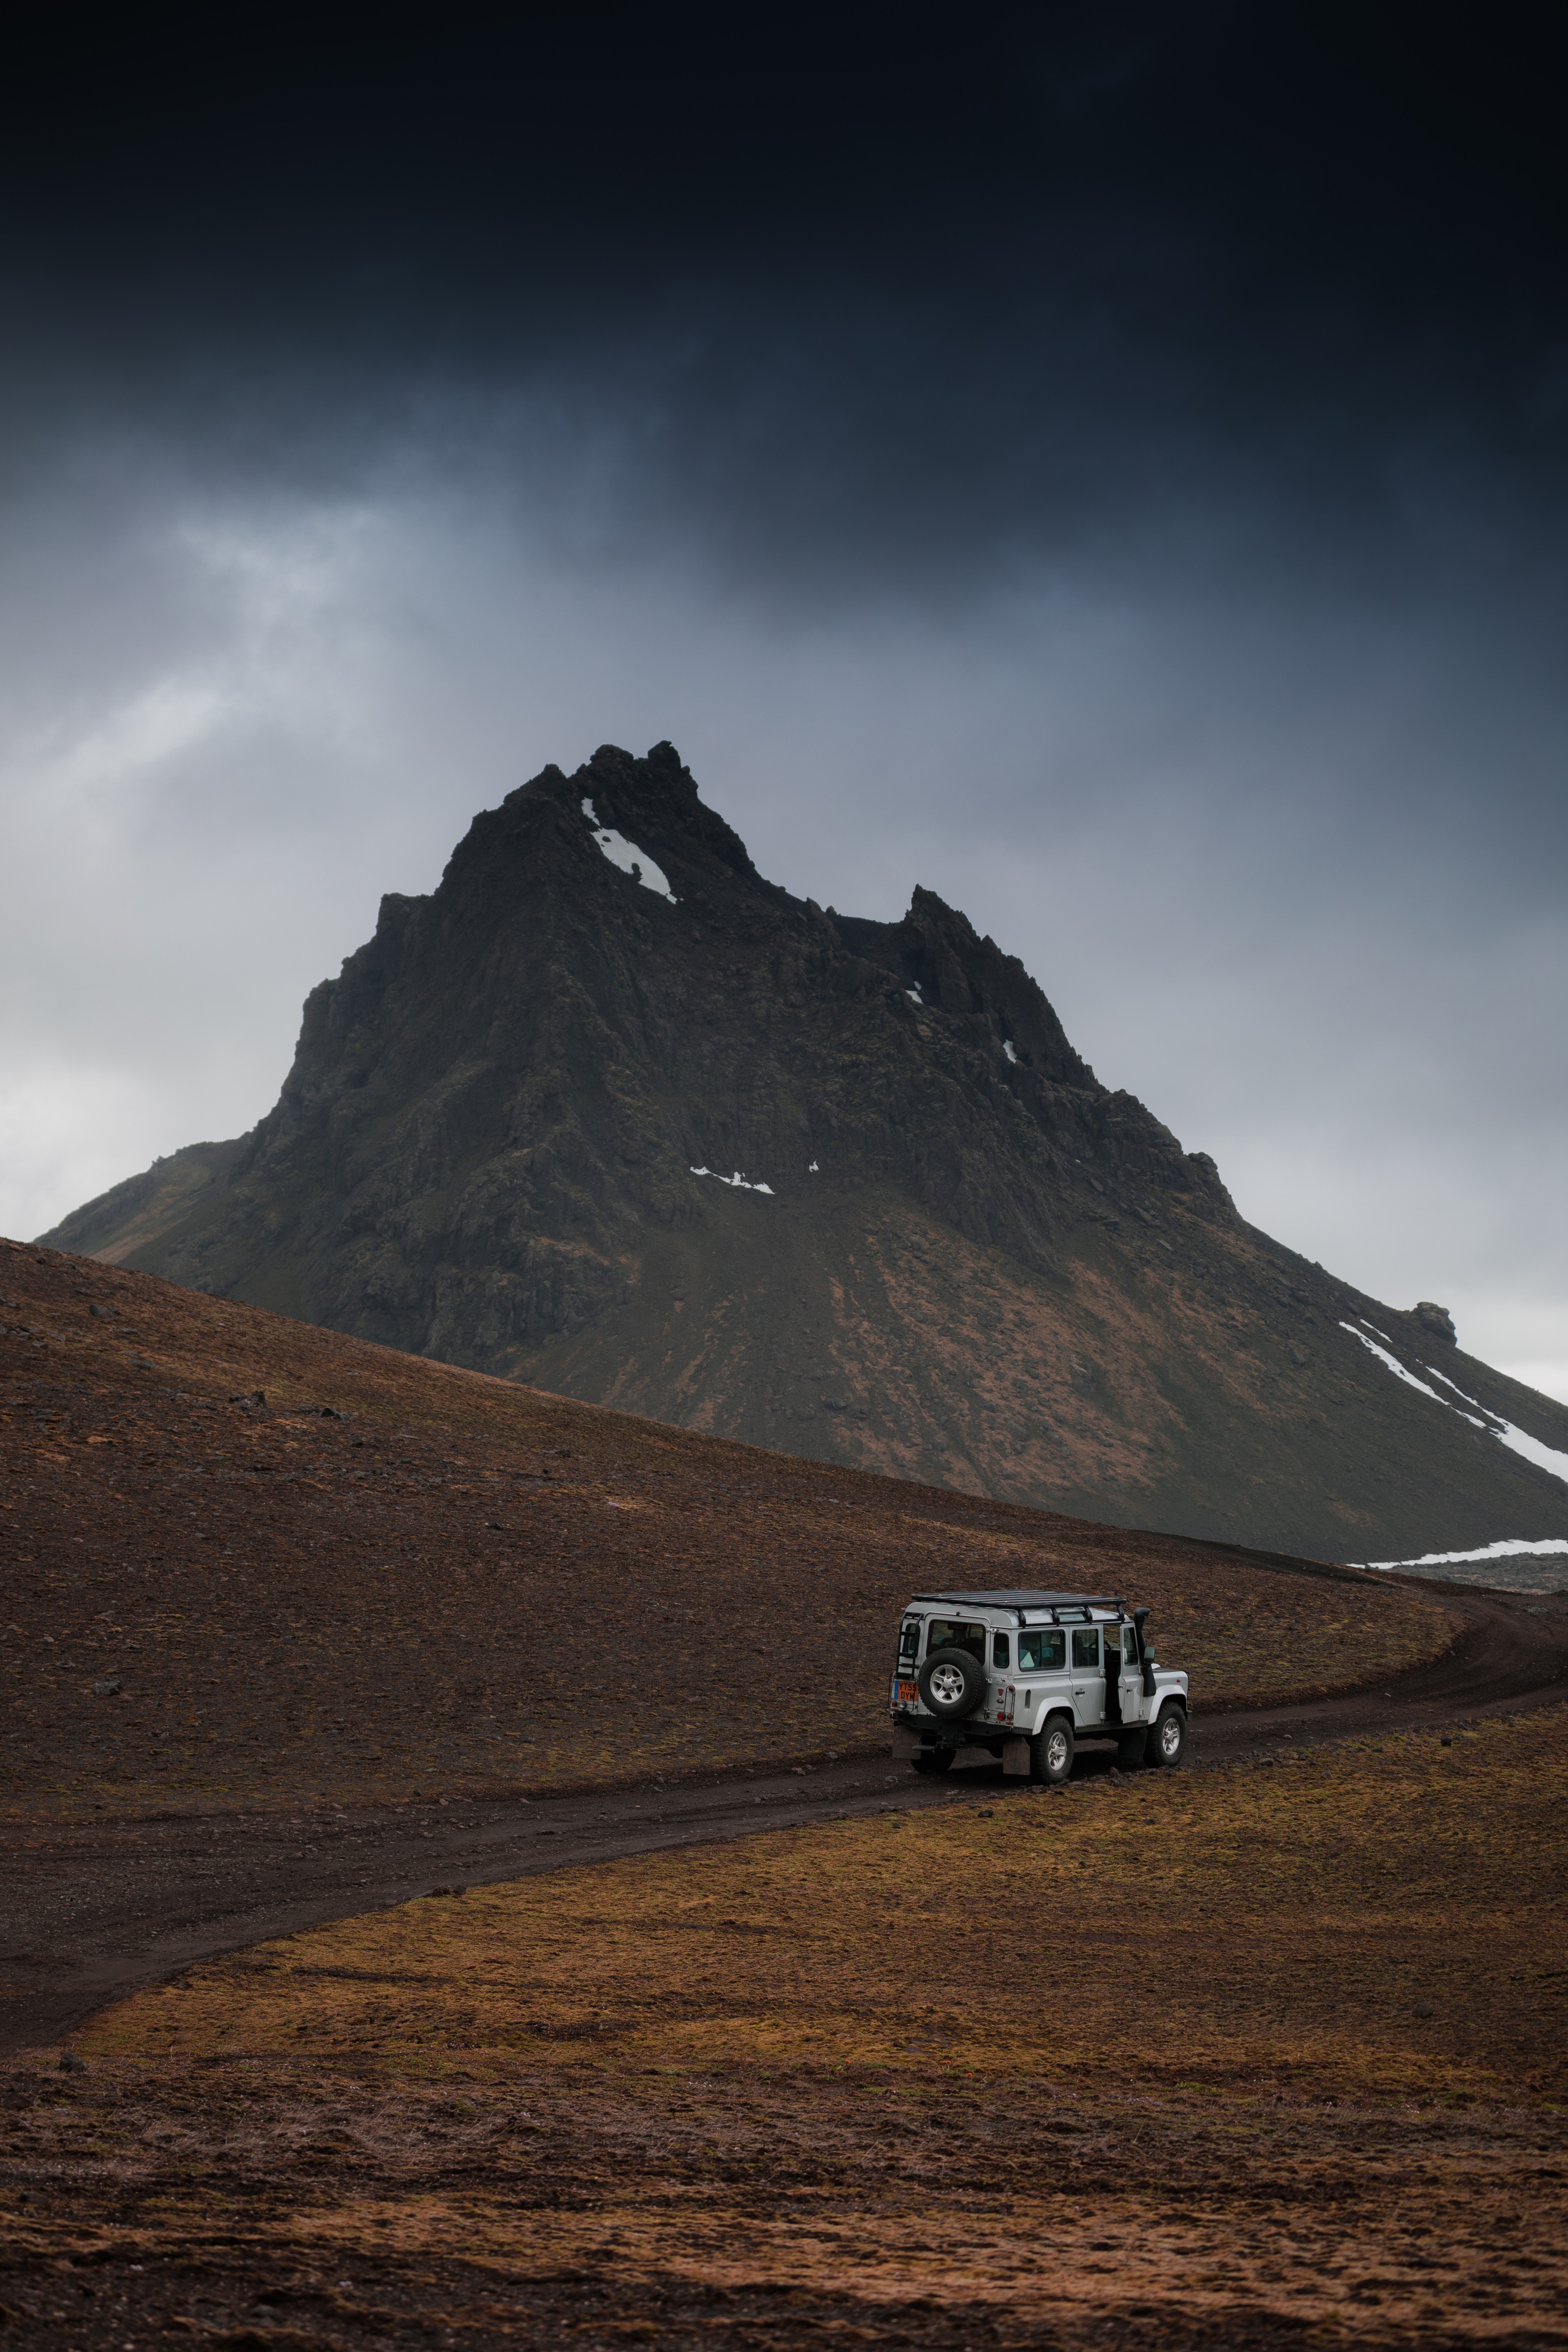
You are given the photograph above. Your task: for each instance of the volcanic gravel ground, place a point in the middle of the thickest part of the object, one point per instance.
(1439, 2262)
(249, 1559)
(285, 2303)
(95, 1908)
(1229, 2057)
(282, 1730)
(344, 1682)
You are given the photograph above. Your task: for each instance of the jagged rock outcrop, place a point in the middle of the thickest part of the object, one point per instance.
(610, 1112)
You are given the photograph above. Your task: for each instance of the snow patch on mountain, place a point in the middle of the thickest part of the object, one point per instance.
(736, 1182)
(1503, 1550)
(1518, 1441)
(1385, 1356)
(629, 857)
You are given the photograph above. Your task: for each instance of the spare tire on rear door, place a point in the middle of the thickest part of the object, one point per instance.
(952, 1685)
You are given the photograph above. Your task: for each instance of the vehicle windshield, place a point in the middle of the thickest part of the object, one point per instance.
(950, 1633)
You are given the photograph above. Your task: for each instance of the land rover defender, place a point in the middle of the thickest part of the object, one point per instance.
(1027, 1675)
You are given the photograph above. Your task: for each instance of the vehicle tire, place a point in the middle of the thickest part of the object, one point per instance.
(952, 1685)
(1131, 1749)
(1168, 1740)
(933, 1759)
(1051, 1753)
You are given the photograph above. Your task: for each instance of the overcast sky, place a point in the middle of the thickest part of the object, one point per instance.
(1107, 465)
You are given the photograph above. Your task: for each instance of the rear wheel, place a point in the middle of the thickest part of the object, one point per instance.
(1168, 1740)
(933, 1759)
(1051, 1752)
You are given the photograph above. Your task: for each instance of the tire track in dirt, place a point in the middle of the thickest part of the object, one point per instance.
(94, 1912)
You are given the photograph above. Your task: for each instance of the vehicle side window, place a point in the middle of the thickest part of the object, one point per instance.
(1042, 1651)
(951, 1634)
(1000, 1650)
(1086, 1646)
(1129, 1646)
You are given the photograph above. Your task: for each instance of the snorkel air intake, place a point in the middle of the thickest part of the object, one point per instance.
(1144, 1660)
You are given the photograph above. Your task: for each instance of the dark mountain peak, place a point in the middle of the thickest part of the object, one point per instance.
(609, 1112)
(654, 805)
(943, 964)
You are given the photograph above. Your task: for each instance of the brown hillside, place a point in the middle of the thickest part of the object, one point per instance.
(391, 1573)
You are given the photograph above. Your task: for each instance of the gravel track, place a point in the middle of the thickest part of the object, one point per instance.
(94, 1911)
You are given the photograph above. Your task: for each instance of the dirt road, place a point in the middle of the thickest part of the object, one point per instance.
(92, 1911)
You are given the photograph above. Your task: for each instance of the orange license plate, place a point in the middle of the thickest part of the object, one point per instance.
(907, 1693)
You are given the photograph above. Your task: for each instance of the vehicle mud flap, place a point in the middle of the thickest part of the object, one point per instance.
(906, 1743)
(1130, 1748)
(1015, 1759)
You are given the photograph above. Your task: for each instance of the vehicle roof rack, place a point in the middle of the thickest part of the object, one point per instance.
(1025, 1600)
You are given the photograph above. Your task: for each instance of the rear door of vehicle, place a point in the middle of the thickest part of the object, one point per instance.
(905, 1690)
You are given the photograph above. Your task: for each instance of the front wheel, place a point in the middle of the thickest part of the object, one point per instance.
(1168, 1740)
(1051, 1753)
(933, 1759)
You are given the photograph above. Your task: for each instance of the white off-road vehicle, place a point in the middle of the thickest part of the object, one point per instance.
(1026, 1676)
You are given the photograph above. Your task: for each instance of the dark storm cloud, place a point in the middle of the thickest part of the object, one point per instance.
(855, 298)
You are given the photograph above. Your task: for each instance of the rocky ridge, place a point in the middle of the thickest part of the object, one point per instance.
(609, 1113)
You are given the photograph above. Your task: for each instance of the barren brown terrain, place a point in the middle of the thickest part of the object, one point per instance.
(1238, 2056)
(1265, 2051)
(310, 1565)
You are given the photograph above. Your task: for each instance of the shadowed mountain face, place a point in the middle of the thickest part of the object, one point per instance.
(609, 1113)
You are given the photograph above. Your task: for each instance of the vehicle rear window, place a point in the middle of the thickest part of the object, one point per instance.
(908, 1641)
(1039, 1650)
(950, 1633)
